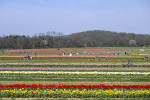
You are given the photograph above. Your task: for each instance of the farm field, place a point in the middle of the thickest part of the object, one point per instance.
(92, 73)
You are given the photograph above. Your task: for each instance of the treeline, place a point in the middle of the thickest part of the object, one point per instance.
(94, 38)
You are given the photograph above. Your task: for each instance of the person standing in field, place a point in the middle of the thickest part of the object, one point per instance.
(77, 53)
(70, 55)
(63, 54)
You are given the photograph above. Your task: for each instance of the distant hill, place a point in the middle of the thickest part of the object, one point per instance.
(106, 38)
(95, 38)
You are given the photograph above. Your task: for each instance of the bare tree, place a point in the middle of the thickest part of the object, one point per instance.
(132, 42)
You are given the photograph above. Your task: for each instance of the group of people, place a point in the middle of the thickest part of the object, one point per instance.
(30, 57)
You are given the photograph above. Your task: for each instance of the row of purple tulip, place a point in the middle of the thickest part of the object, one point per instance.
(74, 68)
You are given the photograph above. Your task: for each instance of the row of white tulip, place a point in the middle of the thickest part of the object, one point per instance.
(79, 73)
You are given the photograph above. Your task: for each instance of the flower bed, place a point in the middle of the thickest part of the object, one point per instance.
(74, 91)
(73, 73)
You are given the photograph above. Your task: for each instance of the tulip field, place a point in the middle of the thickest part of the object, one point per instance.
(75, 73)
(75, 91)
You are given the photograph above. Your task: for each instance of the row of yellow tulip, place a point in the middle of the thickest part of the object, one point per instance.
(80, 73)
(76, 93)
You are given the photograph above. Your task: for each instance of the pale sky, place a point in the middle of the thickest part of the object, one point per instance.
(28, 17)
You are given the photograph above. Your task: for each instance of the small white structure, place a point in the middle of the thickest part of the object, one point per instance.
(142, 50)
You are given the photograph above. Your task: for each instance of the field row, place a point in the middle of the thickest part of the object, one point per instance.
(72, 73)
(74, 91)
(73, 70)
(114, 67)
(52, 86)
(92, 58)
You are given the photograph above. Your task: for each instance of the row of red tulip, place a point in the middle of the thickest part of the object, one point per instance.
(74, 86)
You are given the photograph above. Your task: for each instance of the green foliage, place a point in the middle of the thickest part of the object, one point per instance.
(94, 38)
